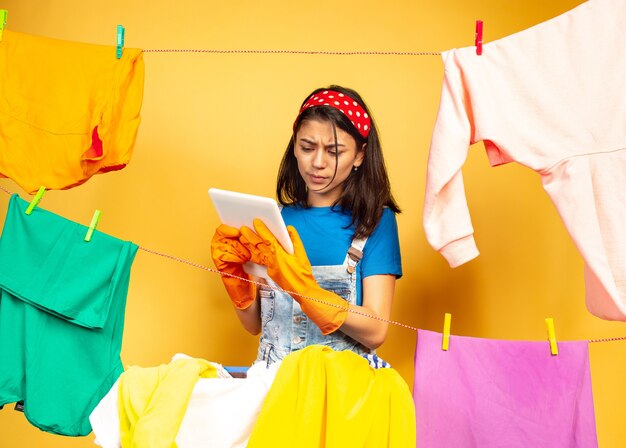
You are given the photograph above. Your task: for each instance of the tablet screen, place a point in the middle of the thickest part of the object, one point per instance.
(239, 209)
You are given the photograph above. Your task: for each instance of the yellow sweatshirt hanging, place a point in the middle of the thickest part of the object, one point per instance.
(68, 110)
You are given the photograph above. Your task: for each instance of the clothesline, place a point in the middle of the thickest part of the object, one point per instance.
(391, 322)
(191, 263)
(309, 52)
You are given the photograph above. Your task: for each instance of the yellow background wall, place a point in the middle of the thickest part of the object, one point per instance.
(223, 120)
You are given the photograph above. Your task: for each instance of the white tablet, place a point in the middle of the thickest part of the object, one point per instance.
(239, 209)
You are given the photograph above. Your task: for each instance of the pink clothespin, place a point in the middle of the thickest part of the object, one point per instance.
(479, 37)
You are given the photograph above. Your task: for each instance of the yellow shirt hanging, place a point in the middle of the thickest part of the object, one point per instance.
(68, 110)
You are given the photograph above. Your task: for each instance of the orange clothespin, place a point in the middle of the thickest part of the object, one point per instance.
(479, 37)
(445, 342)
(554, 349)
(3, 21)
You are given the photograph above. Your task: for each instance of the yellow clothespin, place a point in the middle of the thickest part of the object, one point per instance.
(120, 41)
(93, 225)
(3, 21)
(445, 343)
(35, 200)
(554, 349)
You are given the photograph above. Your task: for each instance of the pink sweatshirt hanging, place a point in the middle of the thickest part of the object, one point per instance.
(552, 98)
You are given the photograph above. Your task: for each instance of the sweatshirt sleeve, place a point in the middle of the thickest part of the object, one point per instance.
(446, 216)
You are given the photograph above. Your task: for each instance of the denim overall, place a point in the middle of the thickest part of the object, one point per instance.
(285, 327)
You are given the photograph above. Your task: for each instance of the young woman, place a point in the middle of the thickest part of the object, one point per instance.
(337, 288)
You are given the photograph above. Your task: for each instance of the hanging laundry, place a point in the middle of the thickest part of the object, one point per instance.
(326, 398)
(67, 110)
(62, 303)
(485, 393)
(552, 99)
(220, 412)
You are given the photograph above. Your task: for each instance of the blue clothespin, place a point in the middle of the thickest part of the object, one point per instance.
(3, 21)
(120, 41)
(93, 225)
(35, 200)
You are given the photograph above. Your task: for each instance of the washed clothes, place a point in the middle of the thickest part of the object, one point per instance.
(324, 398)
(484, 393)
(62, 303)
(68, 110)
(550, 98)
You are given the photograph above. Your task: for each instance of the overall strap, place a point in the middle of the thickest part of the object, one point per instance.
(355, 253)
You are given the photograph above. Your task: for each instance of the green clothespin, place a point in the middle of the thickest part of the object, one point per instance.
(93, 225)
(120, 41)
(3, 21)
(35, 200)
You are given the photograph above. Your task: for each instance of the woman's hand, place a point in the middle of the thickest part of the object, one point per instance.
(293, 273)
(229, 255)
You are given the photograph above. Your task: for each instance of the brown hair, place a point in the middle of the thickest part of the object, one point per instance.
(365, 192)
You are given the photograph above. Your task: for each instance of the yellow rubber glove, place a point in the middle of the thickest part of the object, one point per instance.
(229, 255)
(293, 273)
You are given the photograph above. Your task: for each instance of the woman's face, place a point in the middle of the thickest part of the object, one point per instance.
(316, 155)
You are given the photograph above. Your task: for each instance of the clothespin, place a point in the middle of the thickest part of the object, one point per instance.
(479, 37)
(35, 200)
(120, 41)
(3, 21)
(554, 349)
(445, 342)
(93, 225)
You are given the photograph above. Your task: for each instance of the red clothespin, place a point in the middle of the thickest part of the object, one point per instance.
(479, 37)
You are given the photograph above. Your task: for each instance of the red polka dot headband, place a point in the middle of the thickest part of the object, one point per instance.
(344, 104)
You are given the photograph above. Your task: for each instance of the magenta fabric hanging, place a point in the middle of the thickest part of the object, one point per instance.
(492, 393)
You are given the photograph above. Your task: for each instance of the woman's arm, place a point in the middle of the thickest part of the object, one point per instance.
(250, 317)
(378, 293)
(293, 272)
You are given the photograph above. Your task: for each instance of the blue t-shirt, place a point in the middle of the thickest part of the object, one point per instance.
(327, 240)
